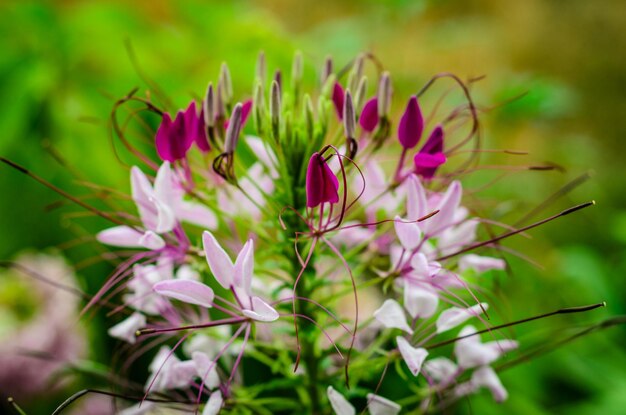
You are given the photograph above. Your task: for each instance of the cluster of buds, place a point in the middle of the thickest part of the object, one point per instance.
(347, 257)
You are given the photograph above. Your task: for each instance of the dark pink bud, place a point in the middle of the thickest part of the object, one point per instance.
(202, 139)
(411, 124)
(173, 139)
(338, 98)
(431, 156)
(321, 183)
(369, 116)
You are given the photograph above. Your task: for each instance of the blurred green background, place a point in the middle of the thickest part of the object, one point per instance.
(63, 64)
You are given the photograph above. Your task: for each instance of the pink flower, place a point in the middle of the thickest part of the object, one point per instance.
(173, 139)
(321, 183)
(411, 124)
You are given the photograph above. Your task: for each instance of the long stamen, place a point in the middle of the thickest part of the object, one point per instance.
(515, 232)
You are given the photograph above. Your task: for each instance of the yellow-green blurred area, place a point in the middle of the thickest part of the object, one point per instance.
(64, 63)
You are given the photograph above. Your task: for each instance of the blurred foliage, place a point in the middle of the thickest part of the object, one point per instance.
(64, 63)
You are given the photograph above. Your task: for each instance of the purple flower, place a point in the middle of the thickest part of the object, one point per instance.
(321, 183)
(431, 156)
(338, 98)
(369, 116)
(411, 124)
(174, 138)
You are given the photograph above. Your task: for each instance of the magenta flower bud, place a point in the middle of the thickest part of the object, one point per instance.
(369, 116)
(173, 139)
(338, 97)
(411, 124)
(321, 183)
(431, 156)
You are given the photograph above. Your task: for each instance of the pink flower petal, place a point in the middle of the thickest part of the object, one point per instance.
(411, 124)
(455, 316)
(219, 262)
(391, 315)
(413, 357)
(340, 405)
(261, 311)
(409, 234)
(377, 405)
(188, 291)
(244, 266)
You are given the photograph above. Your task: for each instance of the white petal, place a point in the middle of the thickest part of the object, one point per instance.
(196, 214)
(440, 369)
(214, 404)
(151, 240)
(185, 272)
(413, 357)
(143, 196)
(420, 265)
(391, 315)
(377, 405)
(480, 263)
(219, 262)
(123, 236)
(244, 266)
(447, 207)
(455, 316)
(486, 376)
(502, 346)
(261, 311)
(206, 369)
(126, 329)
(340, 405)
(419, 302)
(416, 202)
(164, 185)
(409, 233)
(188, 291)
(166, 220)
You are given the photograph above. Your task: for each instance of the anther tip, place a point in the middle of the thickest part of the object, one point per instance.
(10, 399)
(593, 202)
(603, 303)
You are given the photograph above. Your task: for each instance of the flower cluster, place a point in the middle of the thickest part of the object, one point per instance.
(291, 246)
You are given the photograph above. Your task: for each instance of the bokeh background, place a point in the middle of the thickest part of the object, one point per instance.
(63, 64)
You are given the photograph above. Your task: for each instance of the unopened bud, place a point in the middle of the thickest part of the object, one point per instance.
(233, 130)
(356, 73)
(278, 78)
(361, 90)
(275, 106)
(227, 83)
(296, 69)
(384, 95)
(327, 69)
(349, 120)
(309, 116)
(220, 106)
(208, 106)
(260, 70)
(259, 107)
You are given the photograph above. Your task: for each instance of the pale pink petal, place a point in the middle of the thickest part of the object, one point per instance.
(413, 357)
(244, 266)
(126, 329)
(416, 202)
(441, 369)
(455, 316)
(165, 217)
(219, 262)
(502, 346)
(447, 207)
(470, 352)
(214, 404)
(143, 196)
(480, 263)
(377, 405)
(124, 236)
(420, 265)
(419, 302)
(486, 377)
(151, 240)
(340, 405)
(196, 214)
(203, 363)
(164, 189)
(188, 291)
(409, 234)
(391, 315)
(261, 311)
